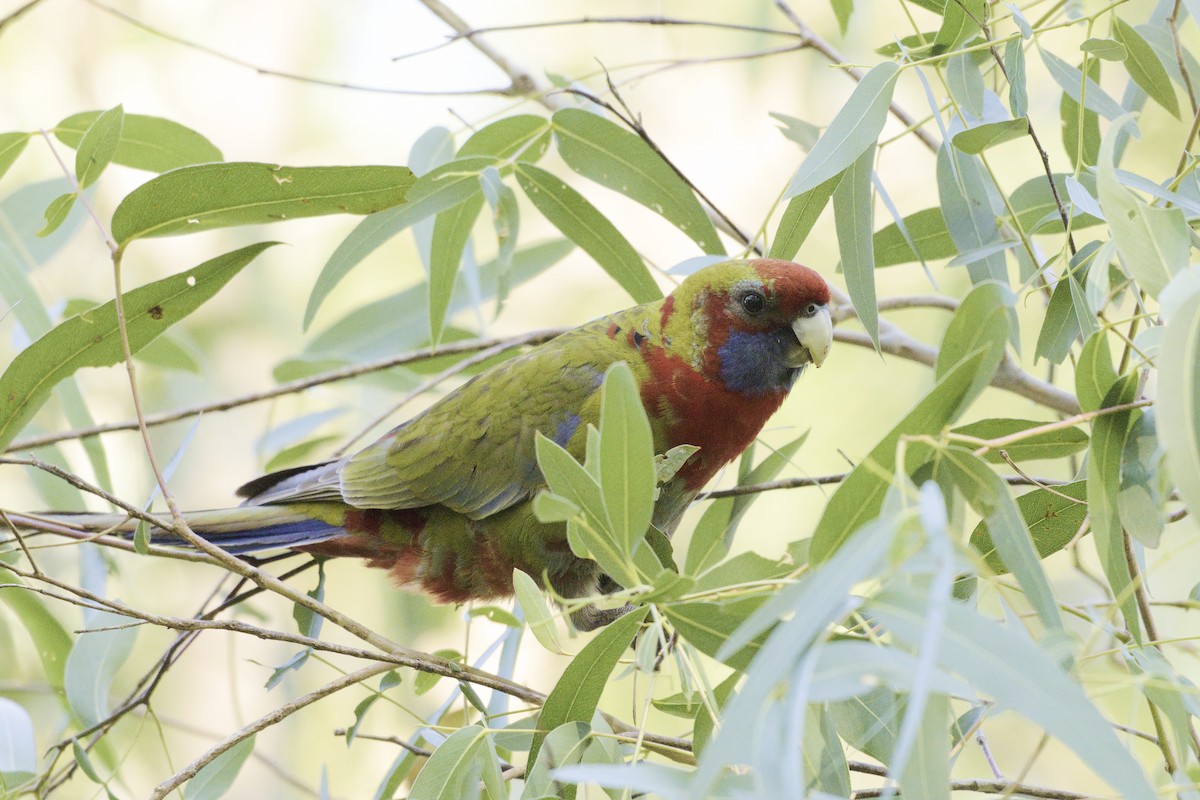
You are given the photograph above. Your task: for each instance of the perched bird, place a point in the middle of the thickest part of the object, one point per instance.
(444, 501)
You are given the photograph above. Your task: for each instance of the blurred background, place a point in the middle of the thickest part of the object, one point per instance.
(329, 83)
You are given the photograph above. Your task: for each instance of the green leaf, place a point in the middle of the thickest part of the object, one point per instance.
(1050, 444)
(1014, 68)
(435, 191)
(917, 45)
(853, 208)
(149, 143)
(577, 692)
(505, 138)
(1107, 49)
(989, 134)
(990, 497)
(533, 604)
(85, 762)
(965, 194)
(1179, 399)
(960, 21)
(984, 319)
(1025, 679)
(928, 232)
(214, 778)
(966, 83)
(49, 637)
(1094, 373)
(92, 339)
(926, 772)
(1036, 211)
(1104, 484)
(855, 128)
(859, 498)
(166, 352)
(1072, 83)
(1081, 126)
(56, 213)
(1144, 67)
(93, 663)
(799, 218)
(98, 146)
(707, 626)
(626, 457)
(1154, 243)
(450, 234)
(210, 196)
(583, 224)
(1061, 326)
(611, 156)
(843, 10)
(11, 146)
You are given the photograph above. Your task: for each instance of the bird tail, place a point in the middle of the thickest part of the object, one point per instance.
(241, 530)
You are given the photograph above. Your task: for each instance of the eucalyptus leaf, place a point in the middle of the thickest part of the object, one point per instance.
(150, 143)
(852, 213)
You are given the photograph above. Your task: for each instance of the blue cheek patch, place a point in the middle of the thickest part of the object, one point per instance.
(756, 362)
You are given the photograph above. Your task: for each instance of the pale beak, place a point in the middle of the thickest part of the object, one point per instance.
(815, 335)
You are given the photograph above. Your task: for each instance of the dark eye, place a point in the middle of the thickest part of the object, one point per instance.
(811, 309)
(753, 302)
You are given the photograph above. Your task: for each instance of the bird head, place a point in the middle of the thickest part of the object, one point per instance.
(753, 325)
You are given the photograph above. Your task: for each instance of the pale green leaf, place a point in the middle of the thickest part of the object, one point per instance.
(150, 143)
(451, 232)
(966, 82)
(984, 319)
(56, 213)
(11, 146)
(1179, 399)
(1049, 444)
(51, 640)
(1144, 67)
(533, 604)
(981, 137)
(799, 218)
(92, 339)
(855, 128)
(1014, 68)
(613, 157)
(577, 692)
(626, 457)
(93, 663)
(853, 208)
(1107, 49)
(926, 230)
(582, 223)
(1072, 83)
(18, 747)
(216, 777)
(210, 196)
(98, 146)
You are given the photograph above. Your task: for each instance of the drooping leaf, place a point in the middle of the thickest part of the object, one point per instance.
(966, 83)
(533, 604)
(451, 233)
(966, 206)
(960, 21)
(48, 635)
(92, 339)
(1107, 49)
(984, 319)
(18, 747)
(626, 457)
(926, 229)
(583, 224)
(577, 692)
(799, 218)
(859, 497)
(1073, 85)
(852, 213)
(1179, 399)
(612, 156)
(1014, 68)
(981, 137)
(855, 128)
(150, 143)
(1058, 443)
(208, 196)
(11, 146)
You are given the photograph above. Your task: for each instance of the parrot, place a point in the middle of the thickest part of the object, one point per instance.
(444, 501)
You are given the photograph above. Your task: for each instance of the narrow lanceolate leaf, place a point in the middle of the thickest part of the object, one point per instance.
(612, 156)
(1072, 83)
(981, 137)
(964, 191)
(453, 768)
(56, 213)
(855, 128)
(98, 146)
(577, 692)
(1154, 243)
(1052, 515)
(1179, 399)
(450, 235)
(1025, 680)
(1104, 484)
(960, 21)
(799, 218)
(149, 143)
(439, 189)
(214, 778)
(966, 83)
(1094, 373)
(1014, 67)
(626, 457)
(583, 224)
(244, 193)
(853, 216)
(18, 746)
(522, 136)
(1107, 49)
(1144, 67)
(533, 604)
(92, 339)
(48, 635)
(11, 145)
(990, 497)
(1049, 444)
(984, 319)
(92, 664)
(860, 496)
